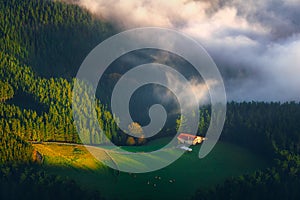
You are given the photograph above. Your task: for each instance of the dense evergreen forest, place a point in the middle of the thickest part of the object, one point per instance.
(22, 178)
(32, 32)
(37, 42)
(270, 129)
(42, 45)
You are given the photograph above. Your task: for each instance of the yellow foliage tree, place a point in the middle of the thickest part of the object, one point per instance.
(130, 141)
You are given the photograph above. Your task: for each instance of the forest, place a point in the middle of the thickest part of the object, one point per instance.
(42, 46)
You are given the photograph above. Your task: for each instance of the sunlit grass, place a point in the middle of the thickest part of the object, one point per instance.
(180, 179)
(69, 156)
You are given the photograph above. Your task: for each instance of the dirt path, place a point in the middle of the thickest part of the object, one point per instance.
(114, 162)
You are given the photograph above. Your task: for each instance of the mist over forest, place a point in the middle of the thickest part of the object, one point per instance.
(254, 44)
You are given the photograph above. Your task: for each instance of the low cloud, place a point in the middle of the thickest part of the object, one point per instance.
(256, 45)
(195, 89)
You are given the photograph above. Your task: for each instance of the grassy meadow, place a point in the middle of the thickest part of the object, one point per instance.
(180, 179)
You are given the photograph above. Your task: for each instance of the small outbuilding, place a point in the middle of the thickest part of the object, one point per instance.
(185, 148)
(185, 138)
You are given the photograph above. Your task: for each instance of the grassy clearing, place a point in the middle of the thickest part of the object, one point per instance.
(179, 180)
(70, 156)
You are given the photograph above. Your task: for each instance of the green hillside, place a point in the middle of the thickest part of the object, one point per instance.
(51, 37)
(177, 181)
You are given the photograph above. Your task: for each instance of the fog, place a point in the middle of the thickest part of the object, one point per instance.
(255, 44)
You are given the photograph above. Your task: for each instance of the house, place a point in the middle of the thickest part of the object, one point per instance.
(185, 138)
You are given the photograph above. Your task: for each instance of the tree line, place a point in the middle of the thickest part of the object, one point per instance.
(21, 178)
(55, 94)
(272, 130)
(50, 36)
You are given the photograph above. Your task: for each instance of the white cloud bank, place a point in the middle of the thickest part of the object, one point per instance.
(255, 44)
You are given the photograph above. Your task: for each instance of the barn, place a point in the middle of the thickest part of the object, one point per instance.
(185, 138)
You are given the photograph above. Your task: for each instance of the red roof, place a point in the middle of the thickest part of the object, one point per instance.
(186, 136)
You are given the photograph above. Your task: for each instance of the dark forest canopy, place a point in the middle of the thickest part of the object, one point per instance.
(52, 37)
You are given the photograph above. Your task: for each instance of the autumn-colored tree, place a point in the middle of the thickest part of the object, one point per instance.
(141, 140)
(130, 141)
